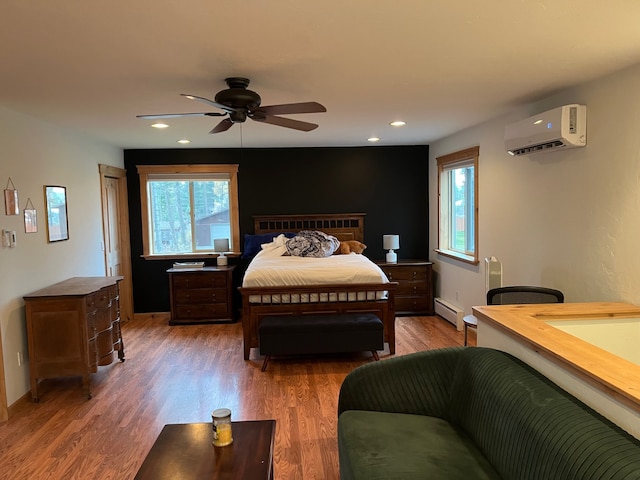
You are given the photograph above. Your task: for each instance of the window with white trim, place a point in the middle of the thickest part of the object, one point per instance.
(186, 207)
(458, 205)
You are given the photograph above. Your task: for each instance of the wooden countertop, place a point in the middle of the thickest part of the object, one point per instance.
(614, 375)
(76, 286)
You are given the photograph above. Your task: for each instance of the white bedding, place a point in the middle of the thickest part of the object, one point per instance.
(269, 268)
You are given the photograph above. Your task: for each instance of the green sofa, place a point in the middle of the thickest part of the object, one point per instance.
(473, 413)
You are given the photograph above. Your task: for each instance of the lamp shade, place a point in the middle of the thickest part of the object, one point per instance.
(221, 244)
(391, 242)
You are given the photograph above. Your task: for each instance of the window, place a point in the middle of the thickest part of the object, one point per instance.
(185, 207)
(458, 205)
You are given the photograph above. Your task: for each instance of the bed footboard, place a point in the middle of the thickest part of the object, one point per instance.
(259, 302)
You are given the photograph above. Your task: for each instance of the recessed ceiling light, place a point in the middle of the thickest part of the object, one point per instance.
(159, 125)
(373, 139)
(184, 141)
(398, 123)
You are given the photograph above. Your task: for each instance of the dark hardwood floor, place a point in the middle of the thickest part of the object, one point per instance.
(180, 374)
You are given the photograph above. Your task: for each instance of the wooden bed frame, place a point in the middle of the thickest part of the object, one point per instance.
(333, 301)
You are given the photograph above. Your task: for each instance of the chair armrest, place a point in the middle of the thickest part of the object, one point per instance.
(419, 383)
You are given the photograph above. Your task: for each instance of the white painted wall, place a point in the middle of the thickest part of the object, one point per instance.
(35, 154)
(568, 219)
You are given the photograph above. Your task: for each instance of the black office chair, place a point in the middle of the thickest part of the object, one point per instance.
(523, 294)
(514, 296)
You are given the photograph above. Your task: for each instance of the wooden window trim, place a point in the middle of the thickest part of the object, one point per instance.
(443, 162)
(144, 171)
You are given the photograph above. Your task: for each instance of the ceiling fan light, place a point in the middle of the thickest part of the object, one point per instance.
(159, 125)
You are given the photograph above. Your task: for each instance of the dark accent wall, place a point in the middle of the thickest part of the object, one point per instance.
(389, 184)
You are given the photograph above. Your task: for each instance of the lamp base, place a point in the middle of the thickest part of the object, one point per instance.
(221, 261)
(392, 257)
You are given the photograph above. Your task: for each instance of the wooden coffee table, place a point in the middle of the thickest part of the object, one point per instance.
(185, 451)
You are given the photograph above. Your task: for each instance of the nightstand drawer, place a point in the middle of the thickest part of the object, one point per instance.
(200, 295)
(414, 294)
(412, 288)
(199, 280)
(198, 312)
(413, 304)
(408, 273)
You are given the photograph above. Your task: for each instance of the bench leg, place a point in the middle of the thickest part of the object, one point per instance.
(375, 355)
(264, 364)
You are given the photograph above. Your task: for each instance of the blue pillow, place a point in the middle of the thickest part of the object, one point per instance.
(253, 243)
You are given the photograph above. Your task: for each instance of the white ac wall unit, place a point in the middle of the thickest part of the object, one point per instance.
(559, 128)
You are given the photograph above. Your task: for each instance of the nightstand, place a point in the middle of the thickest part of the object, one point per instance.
(201, 295)
(414, 295)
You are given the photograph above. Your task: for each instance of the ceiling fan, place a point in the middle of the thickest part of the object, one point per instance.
(240, 103)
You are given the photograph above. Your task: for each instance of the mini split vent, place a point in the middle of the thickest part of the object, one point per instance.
(562, 127)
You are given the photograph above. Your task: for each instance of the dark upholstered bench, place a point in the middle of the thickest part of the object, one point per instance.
(311, 334)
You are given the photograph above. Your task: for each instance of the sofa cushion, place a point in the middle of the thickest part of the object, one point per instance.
(378, 445)
(528, 427)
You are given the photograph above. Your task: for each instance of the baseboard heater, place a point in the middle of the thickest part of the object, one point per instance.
(450, 312)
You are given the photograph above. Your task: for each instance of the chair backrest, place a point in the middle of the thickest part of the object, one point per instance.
(523, 294)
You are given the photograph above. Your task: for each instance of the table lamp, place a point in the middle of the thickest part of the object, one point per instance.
(221, 246)
(391, 243)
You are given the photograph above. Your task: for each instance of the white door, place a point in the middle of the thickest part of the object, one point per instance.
(115, 223)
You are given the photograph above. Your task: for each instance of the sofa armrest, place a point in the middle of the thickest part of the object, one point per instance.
(419, 383)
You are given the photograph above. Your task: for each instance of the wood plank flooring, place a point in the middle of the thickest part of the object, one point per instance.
(180, 374)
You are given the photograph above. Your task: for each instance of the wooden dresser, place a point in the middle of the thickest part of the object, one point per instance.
(73, 327)
(201, 295)
(414, 295)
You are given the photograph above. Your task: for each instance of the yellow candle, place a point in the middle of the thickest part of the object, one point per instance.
(223, 435)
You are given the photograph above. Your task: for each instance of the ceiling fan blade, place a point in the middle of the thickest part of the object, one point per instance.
(175, 115)
(285, 122)
(288, 108)
(208, 102)
(223, 126)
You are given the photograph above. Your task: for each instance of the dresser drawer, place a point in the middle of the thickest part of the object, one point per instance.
(184, 296)
(199, 280)
(198, 312)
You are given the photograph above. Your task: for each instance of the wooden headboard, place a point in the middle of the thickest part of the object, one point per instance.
(344, 226)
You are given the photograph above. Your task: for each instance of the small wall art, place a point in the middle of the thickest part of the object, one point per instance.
(11, 205)
(30, 218)
(56, 204)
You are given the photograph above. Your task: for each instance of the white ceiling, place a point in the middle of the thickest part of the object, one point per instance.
(439, 65)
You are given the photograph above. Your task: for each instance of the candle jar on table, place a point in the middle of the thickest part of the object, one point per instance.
(222, 436)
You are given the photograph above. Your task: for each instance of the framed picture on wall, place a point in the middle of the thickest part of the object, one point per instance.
(11, 199)
(56, 204)
(30, 218)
